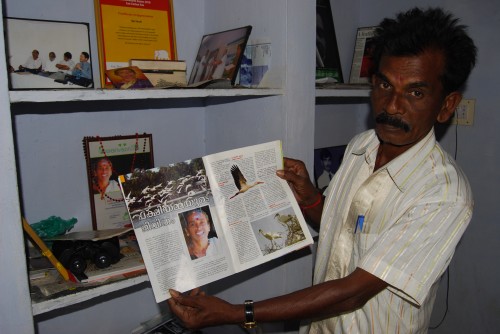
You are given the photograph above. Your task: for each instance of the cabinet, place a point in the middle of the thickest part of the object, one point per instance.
(46, 175)
(43, 167)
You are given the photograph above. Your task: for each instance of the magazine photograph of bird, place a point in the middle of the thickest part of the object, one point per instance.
(240, 181)
(272, 236)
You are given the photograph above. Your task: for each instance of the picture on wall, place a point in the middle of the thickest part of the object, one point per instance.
(48, 54)
(106, 159)
(133, 30)
(219, 56)
(327, 161)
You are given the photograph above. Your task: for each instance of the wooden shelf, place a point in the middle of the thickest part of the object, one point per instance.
(63, 95)
(88, 293)
(343, 90)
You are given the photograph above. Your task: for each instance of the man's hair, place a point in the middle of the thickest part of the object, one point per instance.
(324, 153)
(68, 54)
(103, 160)
(416, 30)
(123, 69)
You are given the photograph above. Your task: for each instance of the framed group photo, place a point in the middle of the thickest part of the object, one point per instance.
(39, 52)
(106, 159)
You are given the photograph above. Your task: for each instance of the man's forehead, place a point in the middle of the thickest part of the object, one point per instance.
(195, 216)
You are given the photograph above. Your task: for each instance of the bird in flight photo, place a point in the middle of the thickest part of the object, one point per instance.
(240, 181)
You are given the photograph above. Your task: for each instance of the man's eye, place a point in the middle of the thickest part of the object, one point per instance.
(417, 93)
(384, 85)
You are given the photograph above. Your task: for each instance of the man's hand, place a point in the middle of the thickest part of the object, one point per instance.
(197, 310)
(62, 67)
(307, 195)
(296, 174)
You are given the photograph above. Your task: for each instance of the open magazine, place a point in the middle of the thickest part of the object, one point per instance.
(203, 219)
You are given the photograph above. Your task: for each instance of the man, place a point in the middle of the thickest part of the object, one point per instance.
(197, 229)
(396, 209)
(49, 67)
(220, 65)
(65, 66)
(82, 73)
(326, 161)
(102, 182)
(33, 64)
(129, 79)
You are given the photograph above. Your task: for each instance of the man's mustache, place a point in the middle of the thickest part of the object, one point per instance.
(385, 118)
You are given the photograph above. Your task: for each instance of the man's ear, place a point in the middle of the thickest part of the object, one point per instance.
(450, 103)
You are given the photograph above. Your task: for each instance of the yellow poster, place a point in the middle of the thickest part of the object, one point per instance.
(134, 29)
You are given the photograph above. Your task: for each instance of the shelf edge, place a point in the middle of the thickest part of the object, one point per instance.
(56, 303)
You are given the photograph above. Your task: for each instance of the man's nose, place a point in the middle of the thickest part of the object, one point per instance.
(394, 104)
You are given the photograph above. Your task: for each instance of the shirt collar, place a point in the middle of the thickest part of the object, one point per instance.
(401, 168)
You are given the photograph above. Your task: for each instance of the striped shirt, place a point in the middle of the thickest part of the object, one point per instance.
(400, 223)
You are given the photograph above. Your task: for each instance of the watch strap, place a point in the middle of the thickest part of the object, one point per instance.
(249, 315)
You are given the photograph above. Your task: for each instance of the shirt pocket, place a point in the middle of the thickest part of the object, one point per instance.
(362, 244)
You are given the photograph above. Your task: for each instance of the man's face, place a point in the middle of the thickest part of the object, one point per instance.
(104, 171)
(327, 163)
(407, 98)
(127, 75)
(198, 226)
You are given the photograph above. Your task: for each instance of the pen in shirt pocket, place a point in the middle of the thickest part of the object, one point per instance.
(359, 224)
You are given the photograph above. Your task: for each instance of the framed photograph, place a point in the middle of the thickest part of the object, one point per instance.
(163, 73)
(219, 56)
(48, 54)
(327, 161)
(362, 63)
(107, 158)
(327, 52)
(133, 30)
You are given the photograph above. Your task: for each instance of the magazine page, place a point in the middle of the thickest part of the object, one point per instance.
(177, 227)
(258, 211)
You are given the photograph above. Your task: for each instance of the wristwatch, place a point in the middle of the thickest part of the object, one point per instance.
(249, 316)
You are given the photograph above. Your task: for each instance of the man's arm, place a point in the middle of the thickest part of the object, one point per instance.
(62, 67)
(307, 195)
(196, 310)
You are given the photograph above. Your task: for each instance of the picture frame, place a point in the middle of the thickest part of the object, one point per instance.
(327, 161)
(129, 30)
(327, 53)
(362, 64)
(130, 77)
(25, 37)
(163, 73)
(106, 159)
(219, 56)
